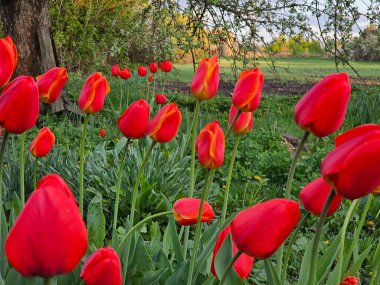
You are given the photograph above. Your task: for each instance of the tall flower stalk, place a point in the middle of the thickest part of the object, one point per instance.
(81, 163)
(22, 168)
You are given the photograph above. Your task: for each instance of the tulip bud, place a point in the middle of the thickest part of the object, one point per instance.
(166, 66)
(42, 143)
(322, 109)
(210, 145)
(243, 124)
(102, 133)
(165, 125)
(350, 280)
(93, 94)
(150, 78)
(125, 73)
(19, 105)
(242, 266)
(133, 123)
(141, 71)
(247, 92)
(206, 79)
(102, 267)
(314, 195)
(9, 58)
(160, 99)
(260, 230)
(115, 70)
(50, 84)
(153, 67)
(186, 210)
(49, 236)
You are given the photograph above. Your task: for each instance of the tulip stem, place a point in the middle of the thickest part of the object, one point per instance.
(35, 173)
(192, 169)
(343, 235)
(236, 256)
(198, 229)
(229, 176)
(118, 185)
(230, 126)
(317, 239)
(121, 95)
(2, 152)
(22, 169)
(291, 242)
(50, 281)
(81, 163)
(139, 224)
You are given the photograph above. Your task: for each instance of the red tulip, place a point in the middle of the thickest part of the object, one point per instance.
(102, 133)
(166, 66)
(95, 90)
(206, 79)
(165, 125)
(160, 99)
(42, 143)
(125, 73)
(115, 70)
(150, 78)
(314, 195)
(51, 83)
(260, 230)
(356, 132)
(352, 168)
(49, 236)
(9, 58)
(244, 122)
(133, 123)
(19, 105)
(322, 109)
(210, 145)
(102, 267)
(186, 210)
(242, 266)
(247, 92)
(350, 280)
(142, 71)
(153, 67)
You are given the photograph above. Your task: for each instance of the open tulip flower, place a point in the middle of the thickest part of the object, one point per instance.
(160, 99)
(50, 84)
(133, 123)
(260, 230)
(49, 236)
(206, 79)
(19, 105)
(166, 66)
(142, 71)
(244, 122)
(314, 195)
(322, 109)
(186, 211)
(9, 58)
(115, 70)
(242, 266)
(125, 73)
(165, 125)
(102, 267)
(210, 145)
(153, 67)
(247, 92)
(42, 143)
(93, 94)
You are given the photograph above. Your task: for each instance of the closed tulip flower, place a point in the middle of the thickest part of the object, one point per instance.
(102, 133)
(186, 211)
(133, 123)
(93, 94)
(153, 67)
(19, 105)
(314, 195)
(50, 84)
(322, 109)
(352, 168)
(353, 133)
(242, 266)
(260, 230)
(350, 280)
(243, 124)
(49, 236)
(150, 78)
(247, 92)
(142, 71)
(160, 99)
(210, 145)
(125, 73)
(9, 58)
(165, 125)
(102, 267)
(206, 79)
(166, 66)
(42, 143)
(115, 70)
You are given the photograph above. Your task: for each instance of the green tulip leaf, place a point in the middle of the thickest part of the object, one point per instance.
(272, 277)
(354, 269)
(327, 260)
(96, 222)
(3, 236)
(305, 265)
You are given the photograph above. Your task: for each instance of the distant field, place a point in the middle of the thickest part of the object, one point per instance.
(296, 69)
